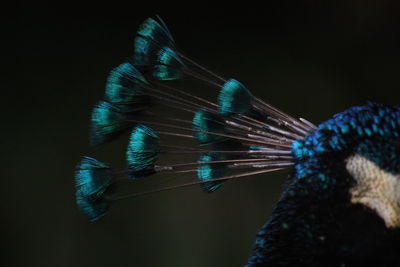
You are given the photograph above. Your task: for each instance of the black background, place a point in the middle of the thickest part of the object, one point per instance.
(309, 58)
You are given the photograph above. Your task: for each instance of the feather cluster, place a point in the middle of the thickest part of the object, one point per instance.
(236, 136)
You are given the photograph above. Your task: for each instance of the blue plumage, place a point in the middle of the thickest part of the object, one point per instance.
(234, 98)
(108, 122)
(126, 84)
(340, 204)
(208, 172)
(319, 205)
(169, 66)
(347, 130)
(92, 177)
(204, 122)
(151, 36)
(92, 209)
(142, 152)
(92, 181)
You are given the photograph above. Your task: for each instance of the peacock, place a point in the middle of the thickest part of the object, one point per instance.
(340, 205)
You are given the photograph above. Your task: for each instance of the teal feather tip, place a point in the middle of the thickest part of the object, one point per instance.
(92, 181)
(210, 171)
(151, 36)
(234, 98)
(169, 66)
(142, 152)
(108, 122)
(204, 122)
(125, 84)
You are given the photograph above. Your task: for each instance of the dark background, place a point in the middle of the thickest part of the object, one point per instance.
(309, 58)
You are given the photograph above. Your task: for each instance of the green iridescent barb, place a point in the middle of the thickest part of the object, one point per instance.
(207, 172)
(234, 98)
(169, 66)
(108, 122)
(142, 152)
(205, 123)
(151, 36)
(92, 182)
(125, 84)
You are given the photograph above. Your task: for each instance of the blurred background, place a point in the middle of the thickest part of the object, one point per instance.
(311, 59)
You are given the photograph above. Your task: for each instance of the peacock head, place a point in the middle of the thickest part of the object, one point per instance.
(358, 149)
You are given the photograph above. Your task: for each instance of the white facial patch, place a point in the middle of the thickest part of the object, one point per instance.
(377, 189)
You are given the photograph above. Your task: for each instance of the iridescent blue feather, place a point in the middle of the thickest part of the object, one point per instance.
(125, 84)
(92, 181)
(205, 123)
(234, 98)
(169, 66)
(151, 37)
(93, 209)
(142, 152)
(208, 172)
(108, 122)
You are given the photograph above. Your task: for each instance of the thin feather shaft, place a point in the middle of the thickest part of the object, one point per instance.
(258, 153)
(202, 68)
(186, 94)
(283, 115)
(264, 133)
(175, 98)
(176, 134)
(171, 167)
(265, 165)
(212, 133)
(310, 124)
(202, 78)
(230, 177)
